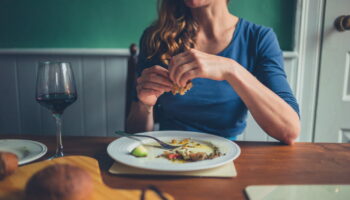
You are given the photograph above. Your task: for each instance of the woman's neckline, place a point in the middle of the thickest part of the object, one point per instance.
(235, 33)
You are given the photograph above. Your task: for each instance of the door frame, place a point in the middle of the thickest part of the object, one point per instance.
(308, 46)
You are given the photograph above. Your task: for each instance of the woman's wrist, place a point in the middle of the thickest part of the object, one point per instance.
(145, 107)
(231, 70)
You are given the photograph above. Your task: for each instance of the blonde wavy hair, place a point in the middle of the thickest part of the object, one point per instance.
(173, 32)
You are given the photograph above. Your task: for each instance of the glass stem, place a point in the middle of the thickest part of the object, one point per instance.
(59, 148)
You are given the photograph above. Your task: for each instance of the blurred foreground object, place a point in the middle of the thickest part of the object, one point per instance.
(60, 182)
(8, 164)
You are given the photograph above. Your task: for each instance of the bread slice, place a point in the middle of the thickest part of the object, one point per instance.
(181, 90)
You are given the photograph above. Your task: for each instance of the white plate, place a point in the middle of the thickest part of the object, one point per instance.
(26, 150)
(120, 150)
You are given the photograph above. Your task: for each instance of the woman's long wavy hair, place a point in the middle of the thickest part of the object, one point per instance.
(173, 32)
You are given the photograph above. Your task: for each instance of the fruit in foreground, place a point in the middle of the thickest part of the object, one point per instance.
(139, 151)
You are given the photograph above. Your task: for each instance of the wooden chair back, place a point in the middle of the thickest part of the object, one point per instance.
(131, 78)
(131, 83)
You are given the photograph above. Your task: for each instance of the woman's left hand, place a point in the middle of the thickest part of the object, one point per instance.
(196, 64)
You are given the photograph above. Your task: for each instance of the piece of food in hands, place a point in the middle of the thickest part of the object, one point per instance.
(191, 151)
(139, 151)
(181, 90)
(60, 181)
(8, 164)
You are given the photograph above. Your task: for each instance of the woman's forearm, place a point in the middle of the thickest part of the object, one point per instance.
(270, 111)
(140, 118)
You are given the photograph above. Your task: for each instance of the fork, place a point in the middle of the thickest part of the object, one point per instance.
(163, 144)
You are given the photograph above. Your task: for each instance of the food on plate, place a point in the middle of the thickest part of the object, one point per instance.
(139, 151)
(191, 151)
(181, 90)
(59, 181)
(8, 164)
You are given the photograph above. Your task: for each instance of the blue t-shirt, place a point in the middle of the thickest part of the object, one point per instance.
(213, 106)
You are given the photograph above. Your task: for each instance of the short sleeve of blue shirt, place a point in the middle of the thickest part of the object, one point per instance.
(213, 106)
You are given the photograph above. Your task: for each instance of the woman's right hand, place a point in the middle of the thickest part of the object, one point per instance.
(152, 83)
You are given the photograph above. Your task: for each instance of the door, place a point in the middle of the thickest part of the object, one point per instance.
(333, 106)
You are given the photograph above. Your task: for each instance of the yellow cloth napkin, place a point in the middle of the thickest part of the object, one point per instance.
(225, 171)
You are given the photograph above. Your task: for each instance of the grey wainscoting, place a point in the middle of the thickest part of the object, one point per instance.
(99, 110)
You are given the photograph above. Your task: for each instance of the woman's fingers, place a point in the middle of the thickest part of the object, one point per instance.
(155, 79)
(177, 61)
(189, 75)
(147, 91)
(181, 70)
(152, 83)
(157, 70)
(152, 92)
(155, 74)
(155, 86)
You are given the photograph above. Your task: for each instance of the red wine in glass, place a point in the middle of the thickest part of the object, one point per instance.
(55, 90)
(56, 102)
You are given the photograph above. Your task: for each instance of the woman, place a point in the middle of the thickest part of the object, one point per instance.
(234, 65)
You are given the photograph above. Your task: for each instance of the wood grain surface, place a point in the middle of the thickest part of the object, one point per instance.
(260, 163)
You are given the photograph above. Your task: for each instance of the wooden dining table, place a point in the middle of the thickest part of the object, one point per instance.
(260, 163)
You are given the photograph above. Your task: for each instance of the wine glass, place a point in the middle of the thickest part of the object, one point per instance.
(55, 90)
